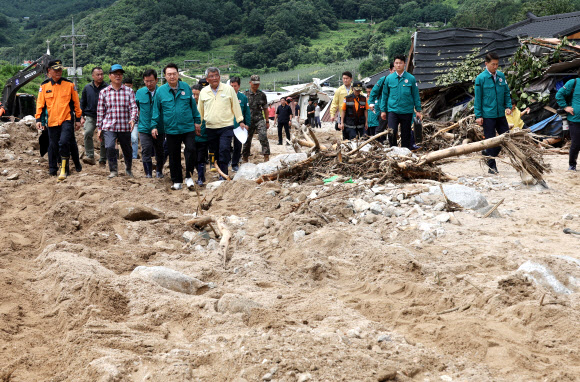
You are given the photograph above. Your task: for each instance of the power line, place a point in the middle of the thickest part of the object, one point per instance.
(73, 44)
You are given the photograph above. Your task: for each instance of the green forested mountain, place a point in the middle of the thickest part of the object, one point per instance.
(261, 33)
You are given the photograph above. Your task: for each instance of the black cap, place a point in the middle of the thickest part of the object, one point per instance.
(55, 64)
(357, 85)
(203, 82)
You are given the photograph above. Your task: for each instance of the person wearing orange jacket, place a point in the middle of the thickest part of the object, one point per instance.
(58, 95)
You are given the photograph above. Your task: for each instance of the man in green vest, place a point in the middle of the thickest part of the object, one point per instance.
(400, 98)
(144, 98)
(175, 107)
(492, 102)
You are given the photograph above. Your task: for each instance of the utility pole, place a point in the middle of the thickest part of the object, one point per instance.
(73, 44)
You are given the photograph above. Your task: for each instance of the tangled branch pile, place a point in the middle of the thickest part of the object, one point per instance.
(439, 135)
(373, 160)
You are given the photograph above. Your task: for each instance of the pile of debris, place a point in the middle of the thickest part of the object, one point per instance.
(539, 69)
(370, 159)
(536, 71)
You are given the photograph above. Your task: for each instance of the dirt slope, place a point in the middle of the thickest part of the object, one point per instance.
(324, 293)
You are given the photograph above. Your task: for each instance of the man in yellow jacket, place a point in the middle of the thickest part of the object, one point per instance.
(338, 99)
(218, 107)
(58, 95)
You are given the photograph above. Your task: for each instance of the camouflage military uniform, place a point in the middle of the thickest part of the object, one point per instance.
(258, 102)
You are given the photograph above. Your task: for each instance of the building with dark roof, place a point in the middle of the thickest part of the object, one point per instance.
(376, 77)
(559, 26)
(435, 52)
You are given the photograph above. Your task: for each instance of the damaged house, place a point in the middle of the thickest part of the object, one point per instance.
(538, 56)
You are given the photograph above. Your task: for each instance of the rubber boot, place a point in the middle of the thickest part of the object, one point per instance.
(128, 171)
(148, 167)
(212, 162)
(63, 170)
(200, 174)
(266, 158)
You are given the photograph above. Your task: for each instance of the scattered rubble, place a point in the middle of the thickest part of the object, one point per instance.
(378, 280)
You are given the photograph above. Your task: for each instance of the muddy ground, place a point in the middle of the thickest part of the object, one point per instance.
(334, 292)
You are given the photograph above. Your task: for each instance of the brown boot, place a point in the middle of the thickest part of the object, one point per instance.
(266, 157)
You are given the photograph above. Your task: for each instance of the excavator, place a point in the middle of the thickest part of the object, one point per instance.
(19, 104)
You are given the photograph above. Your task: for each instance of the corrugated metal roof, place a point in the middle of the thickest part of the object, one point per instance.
(435, 52)
(560, 25)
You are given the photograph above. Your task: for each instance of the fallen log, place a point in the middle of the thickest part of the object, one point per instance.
(462, 150)
(527, 162)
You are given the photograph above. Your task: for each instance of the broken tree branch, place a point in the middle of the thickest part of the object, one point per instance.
(461, 309)
(304, 143)
(225, 233)
(200, 209)
(374, 137)
(446, 129)
(288, 171)
(449, 205)
(201, 221)
(225, 240)
(488, 213)
(226, 177)
(313, 136)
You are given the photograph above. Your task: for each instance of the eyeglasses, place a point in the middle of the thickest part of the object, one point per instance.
(212, 76)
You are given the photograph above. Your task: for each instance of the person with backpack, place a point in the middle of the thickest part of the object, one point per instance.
(568, 98)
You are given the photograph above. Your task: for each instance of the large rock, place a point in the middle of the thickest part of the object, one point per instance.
(214, 185)
(360, 205)
(246, 171)
(235, 303)
(399, 152)
(136, 212)
(464, 196)
(170, 279)
(252, 171)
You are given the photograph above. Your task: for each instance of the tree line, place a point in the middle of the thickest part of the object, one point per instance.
(269, 34)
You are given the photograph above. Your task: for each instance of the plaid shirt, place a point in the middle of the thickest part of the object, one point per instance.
(116, 109)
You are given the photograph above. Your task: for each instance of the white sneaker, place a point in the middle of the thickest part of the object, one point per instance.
(176, 186)
(189, 183)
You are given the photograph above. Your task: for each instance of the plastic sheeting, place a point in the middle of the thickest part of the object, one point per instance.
(550, 126)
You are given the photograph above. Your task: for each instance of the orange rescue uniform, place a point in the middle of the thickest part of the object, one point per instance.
(59, 98)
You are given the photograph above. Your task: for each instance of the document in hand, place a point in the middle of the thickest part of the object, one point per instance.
(241, 134)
